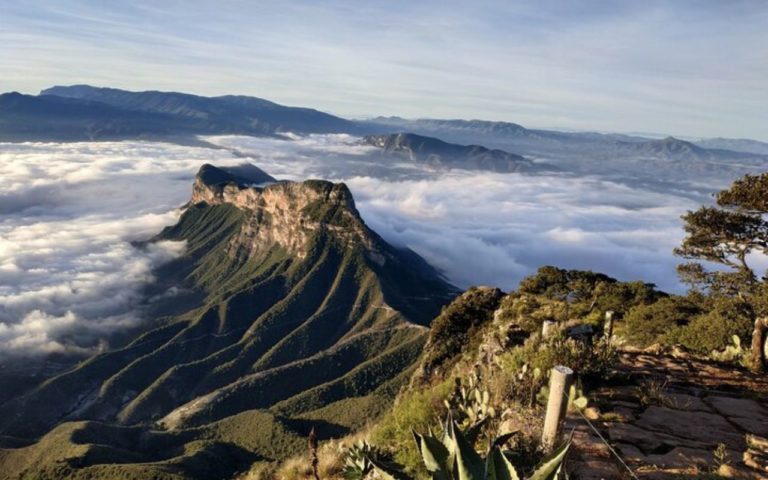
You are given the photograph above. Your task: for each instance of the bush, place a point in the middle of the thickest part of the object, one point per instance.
(419, 410)
(714, 330)
(518, 375)
(645, 325)
(453, 331)
(587, 292)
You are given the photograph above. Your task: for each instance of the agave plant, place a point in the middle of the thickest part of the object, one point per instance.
(356, 463)
(453, 457)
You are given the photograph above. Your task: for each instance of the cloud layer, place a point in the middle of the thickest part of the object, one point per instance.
(69, 275)
(68, 212)
(486, 228)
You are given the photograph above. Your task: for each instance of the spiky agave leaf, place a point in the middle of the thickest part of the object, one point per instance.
(551, 465)
(437, 459)
(474, 430)
(468, 464)
(498, 466)
(388, 472)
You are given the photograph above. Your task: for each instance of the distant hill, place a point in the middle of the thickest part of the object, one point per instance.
(437, 153)
(669, 148)
(87, 113)
(229, 113)
(483, 131)
(735, 144)
(297, 314)
(27, 117)
(473, 126)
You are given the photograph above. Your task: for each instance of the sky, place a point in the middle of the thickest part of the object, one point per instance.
(686, 67)
(69, 212)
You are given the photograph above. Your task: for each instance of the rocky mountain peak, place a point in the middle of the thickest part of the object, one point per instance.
(286, 213)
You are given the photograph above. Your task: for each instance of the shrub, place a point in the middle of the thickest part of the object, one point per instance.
(417, 409)
(524, 370)
(453, 331)
(645, 325)
(713, 330)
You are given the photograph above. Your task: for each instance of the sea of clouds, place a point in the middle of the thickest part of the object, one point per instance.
(69, 275)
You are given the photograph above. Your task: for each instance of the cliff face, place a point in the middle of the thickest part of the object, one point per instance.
(287, 214)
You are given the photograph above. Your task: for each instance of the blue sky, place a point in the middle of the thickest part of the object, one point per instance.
(688, 68)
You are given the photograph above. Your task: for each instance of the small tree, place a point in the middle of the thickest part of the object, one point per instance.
(727, 234)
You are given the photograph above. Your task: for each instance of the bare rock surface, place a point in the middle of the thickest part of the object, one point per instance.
(671, 417)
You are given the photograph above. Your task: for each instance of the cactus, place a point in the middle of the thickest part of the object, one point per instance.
(576, 398)
(453, 457)
(470, 402)
(732, 353)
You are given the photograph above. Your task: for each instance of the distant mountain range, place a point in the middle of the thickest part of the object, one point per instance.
(81, 112)
(294, 313)
(654, 163)
(671, 148)
(535, 141)
(87, 113)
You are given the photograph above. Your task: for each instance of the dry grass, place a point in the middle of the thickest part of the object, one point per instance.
(331, 456)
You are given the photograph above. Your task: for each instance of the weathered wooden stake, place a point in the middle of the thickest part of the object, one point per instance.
(560, 380)
(548, 328)
(608, 326)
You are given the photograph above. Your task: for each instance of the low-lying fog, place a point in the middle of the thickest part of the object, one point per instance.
(68, 213)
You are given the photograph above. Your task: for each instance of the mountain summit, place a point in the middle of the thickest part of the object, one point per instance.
(296, 315)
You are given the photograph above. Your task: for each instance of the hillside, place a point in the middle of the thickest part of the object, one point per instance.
(674, 409)
(294, 308)
(439, 154)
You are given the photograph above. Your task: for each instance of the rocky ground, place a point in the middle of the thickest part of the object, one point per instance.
(668, 416)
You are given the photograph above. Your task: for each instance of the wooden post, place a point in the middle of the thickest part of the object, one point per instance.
(757, 353)
(548, 328)
(608, 326)
(560, 380)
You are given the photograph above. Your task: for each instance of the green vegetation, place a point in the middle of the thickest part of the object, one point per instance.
(455, 330)
(649, 324)
(273, 343)
(727, 234)
(414, 410)
(452, 456)
(270, 342)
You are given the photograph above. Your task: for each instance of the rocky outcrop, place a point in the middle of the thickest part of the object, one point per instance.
(285, 213)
